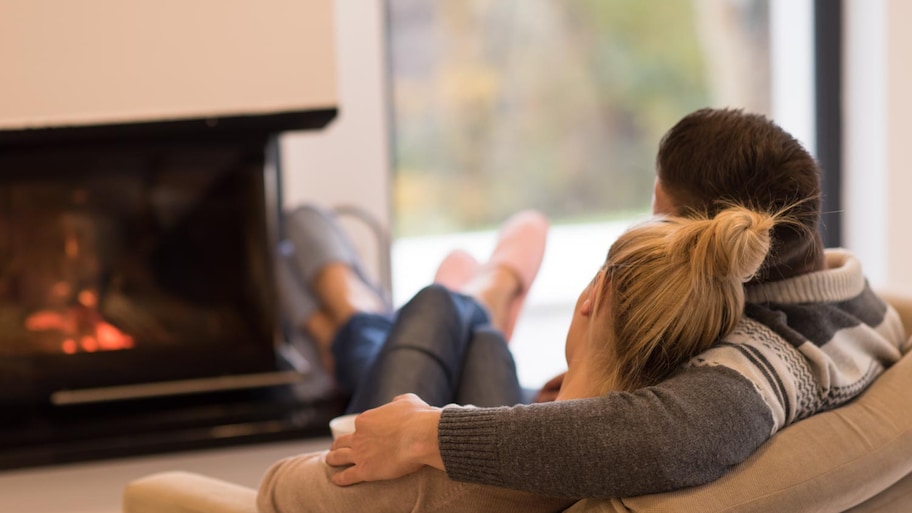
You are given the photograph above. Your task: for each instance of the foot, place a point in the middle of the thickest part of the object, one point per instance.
(342, 293)
(322, 329)
(456, 270)
(324, 270)
(496, 289)
(504, 282)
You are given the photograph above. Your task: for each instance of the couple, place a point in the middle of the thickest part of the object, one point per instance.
(676, 371)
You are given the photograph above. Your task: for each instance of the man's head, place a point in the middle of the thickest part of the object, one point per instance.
(715, 158)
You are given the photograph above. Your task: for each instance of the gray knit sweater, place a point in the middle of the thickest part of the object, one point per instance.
(805, 345)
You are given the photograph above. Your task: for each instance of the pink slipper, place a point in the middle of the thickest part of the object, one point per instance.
(456, 269)
(521, 248)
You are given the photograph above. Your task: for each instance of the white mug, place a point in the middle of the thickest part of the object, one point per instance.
(344, 425)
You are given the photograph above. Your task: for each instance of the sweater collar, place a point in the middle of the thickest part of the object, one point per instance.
(840, 281)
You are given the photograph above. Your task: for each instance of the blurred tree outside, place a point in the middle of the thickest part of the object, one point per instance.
(559, 105)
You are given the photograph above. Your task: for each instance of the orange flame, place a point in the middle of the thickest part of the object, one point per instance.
(83, 323)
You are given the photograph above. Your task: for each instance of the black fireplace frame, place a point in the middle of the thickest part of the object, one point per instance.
(262, 125)
(40, 433)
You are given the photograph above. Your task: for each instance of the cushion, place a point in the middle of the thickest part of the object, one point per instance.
(829, 462)
(185, 492)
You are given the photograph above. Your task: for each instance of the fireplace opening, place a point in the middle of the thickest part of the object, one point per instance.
(156, 253)
(137, 301)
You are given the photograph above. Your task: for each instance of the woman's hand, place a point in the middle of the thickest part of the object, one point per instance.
(391, 441)
(550, 389)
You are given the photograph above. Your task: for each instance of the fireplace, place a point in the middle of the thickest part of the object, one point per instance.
(137, 298)
(139, 212)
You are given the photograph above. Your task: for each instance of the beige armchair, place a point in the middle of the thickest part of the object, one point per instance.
(856, 458)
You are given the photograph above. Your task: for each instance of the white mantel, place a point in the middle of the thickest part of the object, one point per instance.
(108, 61)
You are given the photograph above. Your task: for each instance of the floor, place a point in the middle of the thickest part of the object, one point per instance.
(96, 487)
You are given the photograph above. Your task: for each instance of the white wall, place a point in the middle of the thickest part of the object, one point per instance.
(899, 145)
(878, 153)
(348, 163)
(109, 61)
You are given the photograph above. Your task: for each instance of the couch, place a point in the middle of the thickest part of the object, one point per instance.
(856, 458)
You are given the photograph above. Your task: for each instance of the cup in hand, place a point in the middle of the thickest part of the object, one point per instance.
(344, 425)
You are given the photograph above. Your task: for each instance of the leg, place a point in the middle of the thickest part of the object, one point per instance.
(320, 278)
(425, 350)
(488, 377)
(356, 345)
(302, 484)
(489, 374)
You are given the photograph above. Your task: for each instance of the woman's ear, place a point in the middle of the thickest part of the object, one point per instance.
(589, 303)
(586, 308)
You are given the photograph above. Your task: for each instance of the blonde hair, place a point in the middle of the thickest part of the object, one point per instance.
(674, 286)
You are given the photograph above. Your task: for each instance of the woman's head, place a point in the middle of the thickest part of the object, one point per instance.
(713, 158)
(671, 288)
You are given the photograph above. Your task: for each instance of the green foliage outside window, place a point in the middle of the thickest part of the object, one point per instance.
(500, 105)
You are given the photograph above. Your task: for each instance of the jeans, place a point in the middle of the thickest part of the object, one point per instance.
(440, 346)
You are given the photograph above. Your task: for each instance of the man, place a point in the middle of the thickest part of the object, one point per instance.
(715, 412)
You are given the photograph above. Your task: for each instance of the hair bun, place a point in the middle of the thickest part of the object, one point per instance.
(742, 238)
(731, 245)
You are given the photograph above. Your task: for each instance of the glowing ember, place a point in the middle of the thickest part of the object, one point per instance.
(110, 338)
(81, 326)
(61, 289)
(89, 344)
(88, 299)
(47, 320)
(68, 346)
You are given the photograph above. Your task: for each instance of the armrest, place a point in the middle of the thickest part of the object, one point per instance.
(828, 462)
(184, 492)
(903, 305)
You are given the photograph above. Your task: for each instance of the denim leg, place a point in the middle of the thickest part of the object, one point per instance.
(425, 350)
(489, 375)
(356, 345)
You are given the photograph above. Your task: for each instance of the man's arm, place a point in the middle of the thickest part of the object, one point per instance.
(390, 441)
(685, 431)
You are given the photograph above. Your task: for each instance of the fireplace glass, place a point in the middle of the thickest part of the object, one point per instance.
(129, 264)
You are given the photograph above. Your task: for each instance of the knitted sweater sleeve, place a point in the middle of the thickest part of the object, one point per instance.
(685, 431)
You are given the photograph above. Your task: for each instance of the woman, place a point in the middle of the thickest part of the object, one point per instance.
(633, 326)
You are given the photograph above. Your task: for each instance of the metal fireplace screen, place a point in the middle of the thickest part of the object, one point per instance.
(136, 264)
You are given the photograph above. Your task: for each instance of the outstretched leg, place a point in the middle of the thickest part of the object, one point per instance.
(489, 372)
(436, 338)
(425, 350)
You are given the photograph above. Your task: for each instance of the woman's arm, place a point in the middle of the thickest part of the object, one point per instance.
(685, 431)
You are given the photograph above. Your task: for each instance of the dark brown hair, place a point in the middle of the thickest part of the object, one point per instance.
(716, 158)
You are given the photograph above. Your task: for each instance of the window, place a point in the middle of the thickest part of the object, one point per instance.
(500, 105)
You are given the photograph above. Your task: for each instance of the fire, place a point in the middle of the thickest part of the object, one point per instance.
(110, 338)
(81, 327)
(68, 346)
(88, 298)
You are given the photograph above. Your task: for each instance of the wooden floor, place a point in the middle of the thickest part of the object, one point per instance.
(96, 487)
